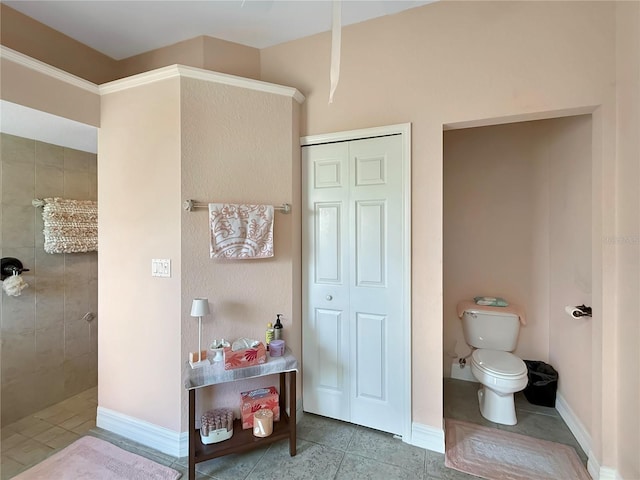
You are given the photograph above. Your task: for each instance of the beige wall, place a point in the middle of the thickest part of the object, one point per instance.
(626, 242)
(26, 35)
(25, 86)
(140, 361)
(566, 148)
(208, 142)
(202, 52)
(237, 148)
(461, 63)
(49, 352)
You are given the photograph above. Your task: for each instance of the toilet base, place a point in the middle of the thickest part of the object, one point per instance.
(497, 408)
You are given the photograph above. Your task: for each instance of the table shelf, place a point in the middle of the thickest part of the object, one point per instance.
(243, 440)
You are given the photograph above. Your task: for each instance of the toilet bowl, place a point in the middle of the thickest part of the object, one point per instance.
(501, 375)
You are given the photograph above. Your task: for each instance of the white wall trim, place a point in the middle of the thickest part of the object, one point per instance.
(167, 441)
(584, 439)
(574, 424)
(427, 437)
(172, 71)
(403, 129)
(46, 69)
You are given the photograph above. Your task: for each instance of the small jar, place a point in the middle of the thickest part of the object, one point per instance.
(277, 348)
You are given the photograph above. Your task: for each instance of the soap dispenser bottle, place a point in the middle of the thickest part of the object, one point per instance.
(277, 328)
(269, 334)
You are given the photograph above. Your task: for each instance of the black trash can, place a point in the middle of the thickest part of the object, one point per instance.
(543, 383)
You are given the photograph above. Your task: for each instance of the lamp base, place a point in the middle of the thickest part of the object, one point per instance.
(201, 363)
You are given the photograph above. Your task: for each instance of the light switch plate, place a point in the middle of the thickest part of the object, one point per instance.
(160, 267)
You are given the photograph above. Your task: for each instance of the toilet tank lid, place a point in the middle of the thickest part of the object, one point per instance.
(470, 305)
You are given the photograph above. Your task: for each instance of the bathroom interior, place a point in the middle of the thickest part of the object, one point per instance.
(517, 225)
(50, 331)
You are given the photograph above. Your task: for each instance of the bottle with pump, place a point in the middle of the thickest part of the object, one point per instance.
(269, 334)
(277, 328)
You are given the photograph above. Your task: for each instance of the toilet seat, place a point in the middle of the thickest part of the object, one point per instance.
(502, 365)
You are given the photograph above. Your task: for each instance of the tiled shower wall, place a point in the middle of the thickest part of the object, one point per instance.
(48, 351)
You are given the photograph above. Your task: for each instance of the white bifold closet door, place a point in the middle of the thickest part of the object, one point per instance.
(353, 280)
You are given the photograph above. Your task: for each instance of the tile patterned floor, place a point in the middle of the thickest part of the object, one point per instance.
(327, 449)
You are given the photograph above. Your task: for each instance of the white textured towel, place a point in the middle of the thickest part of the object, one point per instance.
(241, 231)
(70, 226)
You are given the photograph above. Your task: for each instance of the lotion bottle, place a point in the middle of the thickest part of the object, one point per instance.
(269, 334)
(277, 328)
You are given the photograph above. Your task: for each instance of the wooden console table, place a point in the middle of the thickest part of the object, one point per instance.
(242, 440)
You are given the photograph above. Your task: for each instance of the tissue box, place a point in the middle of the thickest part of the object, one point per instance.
(258, 399)
(245, 357)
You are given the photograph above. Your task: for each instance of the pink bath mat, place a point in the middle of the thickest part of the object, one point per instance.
(498, 455)
(90, 458)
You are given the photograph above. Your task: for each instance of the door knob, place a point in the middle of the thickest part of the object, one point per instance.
(329, 297)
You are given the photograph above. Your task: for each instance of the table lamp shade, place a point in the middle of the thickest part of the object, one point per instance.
(200, 307)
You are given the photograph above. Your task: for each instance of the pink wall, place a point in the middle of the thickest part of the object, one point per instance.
(626, 242)
(238, 146)
(456, 63)
(139, 336)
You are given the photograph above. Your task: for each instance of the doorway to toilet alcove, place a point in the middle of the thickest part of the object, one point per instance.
(517, 208)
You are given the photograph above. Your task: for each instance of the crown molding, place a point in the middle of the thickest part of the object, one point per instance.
(172, 71)
(41, 67)
(145, 78)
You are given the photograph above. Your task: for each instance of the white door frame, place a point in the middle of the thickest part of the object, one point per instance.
(403, 129)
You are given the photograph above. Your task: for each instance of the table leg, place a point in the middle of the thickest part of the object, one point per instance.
(292, 413)
(192, 434)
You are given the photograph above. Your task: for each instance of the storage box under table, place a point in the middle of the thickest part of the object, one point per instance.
(255, 400)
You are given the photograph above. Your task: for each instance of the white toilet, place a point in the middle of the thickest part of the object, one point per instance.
(495, 334)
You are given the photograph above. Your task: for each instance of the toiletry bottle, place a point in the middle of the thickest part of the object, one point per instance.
(269, 334)
(277, 328)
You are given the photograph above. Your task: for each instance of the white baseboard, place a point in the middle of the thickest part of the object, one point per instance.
(462, 373)
(596, 471)
(574, 424)
(167, 441)
(427, 437)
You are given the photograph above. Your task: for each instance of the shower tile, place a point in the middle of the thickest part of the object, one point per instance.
(76, 185)
(29, 452)
(11, 468)
(80, 373)
(50, 266)
(17, 150)
(93, 189)
(18, 356)
(49, 308)
(76, 160)
(49, 154)
(49, 182)
(92, 163)
(50, 346)
(39, 229)
(18, 184)
(19, 313)
(17, 400)
(18, 226)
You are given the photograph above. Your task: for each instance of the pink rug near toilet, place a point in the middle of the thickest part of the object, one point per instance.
(499, 455)
(90, 458)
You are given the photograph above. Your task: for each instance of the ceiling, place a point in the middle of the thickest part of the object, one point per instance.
(121, 29)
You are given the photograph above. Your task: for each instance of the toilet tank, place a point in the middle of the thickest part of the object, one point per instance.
(491, 329)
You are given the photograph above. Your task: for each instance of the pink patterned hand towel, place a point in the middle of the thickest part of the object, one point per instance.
(241, 231)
